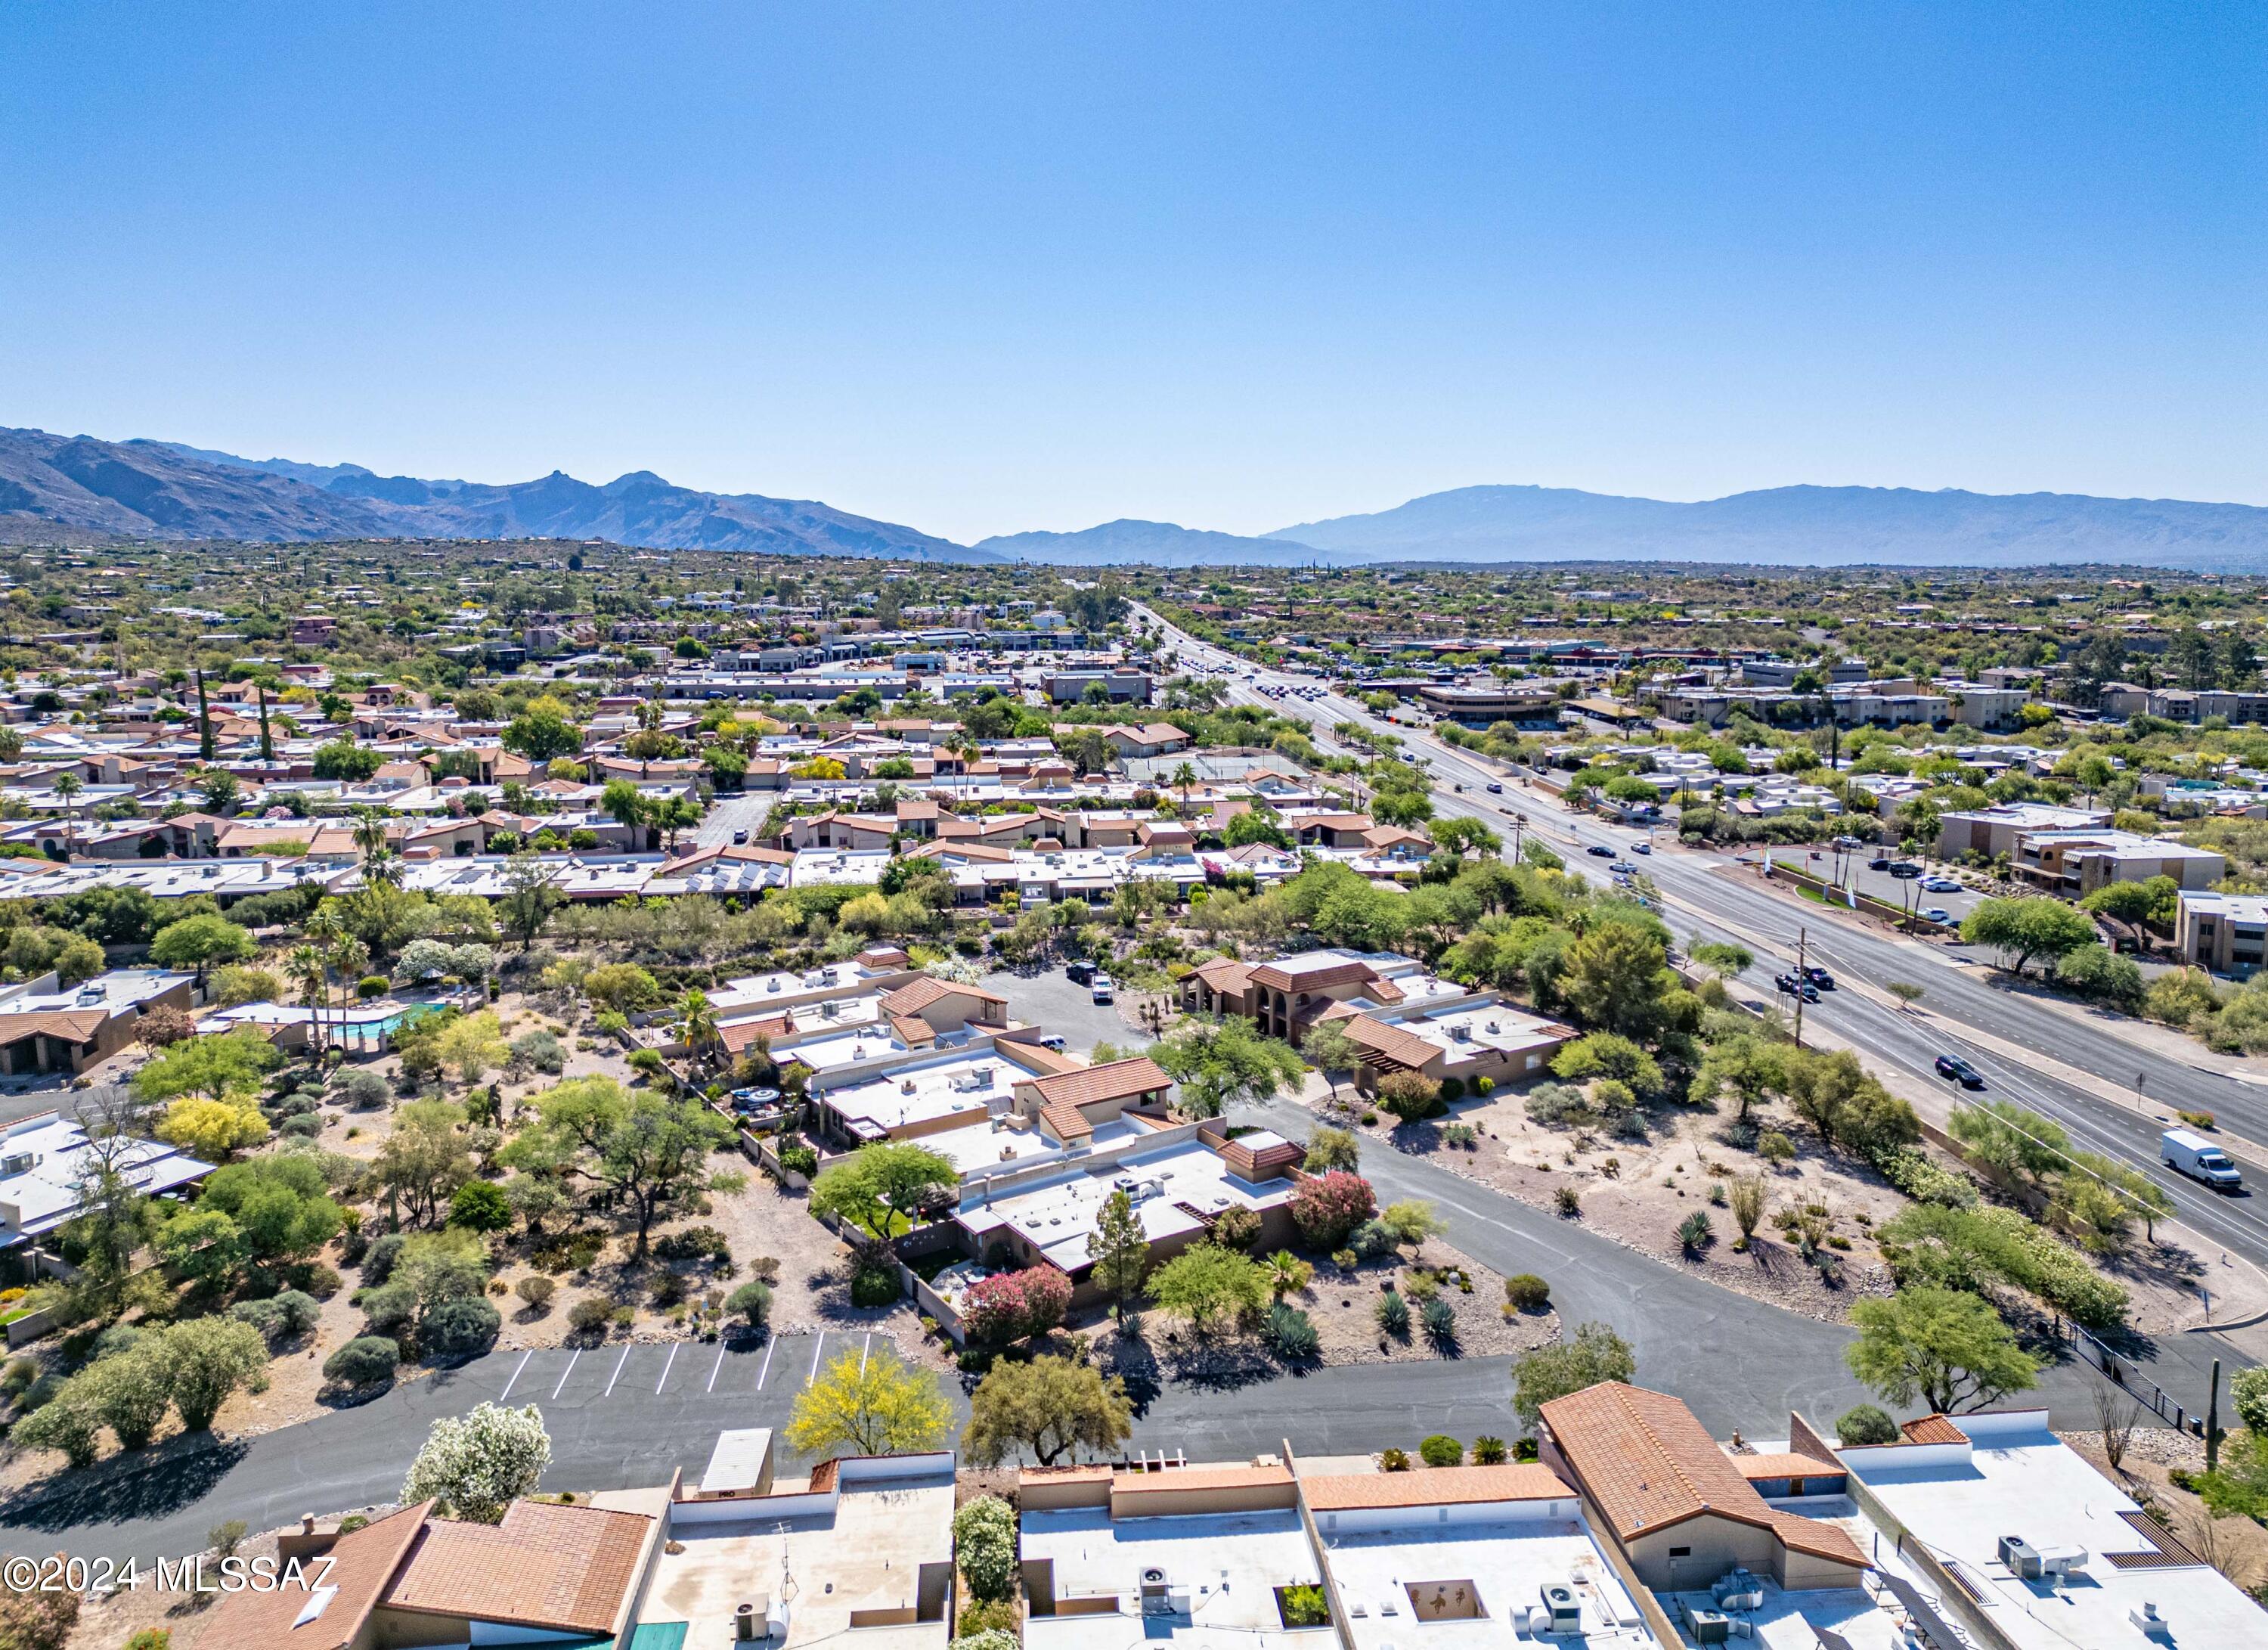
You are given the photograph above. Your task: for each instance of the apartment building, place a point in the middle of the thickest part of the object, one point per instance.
(2224, 933)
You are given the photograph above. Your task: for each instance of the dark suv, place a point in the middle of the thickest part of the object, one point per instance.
(1954, 1067)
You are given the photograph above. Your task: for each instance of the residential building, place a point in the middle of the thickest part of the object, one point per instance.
(2034, 1549)
(1488, 1039)
(2225, 933)
(44, 1161)
(48, 1028)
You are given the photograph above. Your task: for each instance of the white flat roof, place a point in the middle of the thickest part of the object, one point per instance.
(1057, 1216)
(918, 1092)
(737, 1461)
(2017, 1478)
(1506, 1564)
(1230, 1564)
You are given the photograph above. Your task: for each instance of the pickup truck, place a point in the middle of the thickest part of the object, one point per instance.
(2199, 1158)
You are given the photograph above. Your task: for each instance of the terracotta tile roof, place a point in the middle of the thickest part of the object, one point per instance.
(1934, 1429)
(566, 1567)
(916, 994)
(1225, 975)
(1817, 1537)
(738, 1035)
(1065, 1120)
(913, 1031)
(1348, 973)
(1120, 1079)
(1645, 1460)
(365, 1561)
(1754, 1467)
(1435, 1486)
(1033, 1057)
(65, 1025)
(1392, 1044)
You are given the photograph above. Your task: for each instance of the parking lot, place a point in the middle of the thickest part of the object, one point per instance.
(764, 1375)
(1049, 1000)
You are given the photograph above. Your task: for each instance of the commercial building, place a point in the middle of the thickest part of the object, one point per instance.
(1995, 832)
(2225, 933)
(2075, 863)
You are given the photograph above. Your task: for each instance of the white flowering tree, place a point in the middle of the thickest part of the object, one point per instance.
(477, 1464)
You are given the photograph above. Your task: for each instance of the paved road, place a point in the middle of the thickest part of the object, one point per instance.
(733, 811)
(1709, 895)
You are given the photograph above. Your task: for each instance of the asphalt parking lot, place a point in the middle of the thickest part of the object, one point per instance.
(1049, 1000)
(732, 813)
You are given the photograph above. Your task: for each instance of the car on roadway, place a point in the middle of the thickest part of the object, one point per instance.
(1102, 989)
(1960, 1071)
(1880, 862)
(1790, 986)
(1080, 973)
(1054, 1040)
(739, 838)
(1600, 850)
(1940, 885)
(1495, 789)
(1820, 977)
(1641, 847)
(1624, 868)
(1937, 914)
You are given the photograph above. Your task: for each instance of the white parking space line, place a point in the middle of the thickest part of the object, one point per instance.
(564, 1374)
(617, 1376)
(865, 1347)
(714, 1367)
(815, 1346)
(666, 1363)
(770, 1348)
(516, 1368)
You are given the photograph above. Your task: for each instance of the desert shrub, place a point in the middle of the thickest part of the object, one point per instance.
(986, 1622)
(984, 1545)
(1775, 1148)
(694, 1243)
(480, 1205)
(281, 1317)
(1438, 1320)
(302, 1128)
(875, 1286)
(591, 1312)
(1569, 1202)
(1015, 1306)
(1525, 1292)
(1391, 1460)
(1292, 1333)
(1552, 1104)
(537, 1291)
(1488, 1451)
(390, 1307)
(799, 1160)
(1453, 1089)
(1393, 1315)
(362, 1361)
(378, 1261)
(360, 1090)
(1327, 1207)
(764, 1269)
(1372, 1240)
(752, 1302)
(1441, 1450)
(1865, 1424)
(666, 1289)
(1236, 1228)
(540, 1051)
(458, 1329)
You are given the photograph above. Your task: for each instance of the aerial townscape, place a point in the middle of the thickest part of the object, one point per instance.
(1353, 827)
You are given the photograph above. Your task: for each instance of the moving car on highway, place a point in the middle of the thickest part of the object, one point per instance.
(1954, 1067)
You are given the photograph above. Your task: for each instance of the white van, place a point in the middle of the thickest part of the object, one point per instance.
(2199, 1158)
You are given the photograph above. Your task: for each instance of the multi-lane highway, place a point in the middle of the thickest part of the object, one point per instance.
(2025, 1049)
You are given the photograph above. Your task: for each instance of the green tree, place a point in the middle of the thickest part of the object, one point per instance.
(1329, 1148)
(529, 898)
(2025, 928)
(1604, 1054)
(543, 731)
(207, 1360)
(1204, 1283)
(1328, 1048)
(1595, 1353)
(1747, 1069)
(1120, 1249)
(646, 1149)
(199, 942)
(1612, 978)
(876, 1406)
(214, 1068)
(1050, 1407)
(1220, 1062)
(880, 1188)
(1945, 1348)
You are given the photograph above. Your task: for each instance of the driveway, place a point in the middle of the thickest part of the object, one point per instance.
(1048, 999)
(732, 811)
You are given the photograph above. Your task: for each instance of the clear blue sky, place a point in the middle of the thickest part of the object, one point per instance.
(981, 269)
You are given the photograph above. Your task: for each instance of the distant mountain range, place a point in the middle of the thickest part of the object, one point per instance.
(159, 490)
(81, 487)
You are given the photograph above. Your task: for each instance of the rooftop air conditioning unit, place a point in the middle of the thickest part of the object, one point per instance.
(2022, 1560)
(1707, 1626)
(1462, 1033)
(18, 1163)
(906, 1087)
(1561, 1610)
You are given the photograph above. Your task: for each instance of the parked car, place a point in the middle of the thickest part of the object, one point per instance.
(1960, 1071)
(2199, 1158)
(1940, 885)
(1053, 1040)
(1937, 914)
(1102, 989)
(1080, 973)
(1495, 789)
(739, 838)
(1600, 850)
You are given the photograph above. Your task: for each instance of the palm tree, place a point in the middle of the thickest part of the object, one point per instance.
(307, 968)
(67, 785)
(697, 1025)
(1185, 775)
(379, 863)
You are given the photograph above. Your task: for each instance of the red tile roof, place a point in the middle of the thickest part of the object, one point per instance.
(1934, 1429)
(1435, 1486)
(1120, 1079)
(364, 1562)
(916, 995)
(565, 1567)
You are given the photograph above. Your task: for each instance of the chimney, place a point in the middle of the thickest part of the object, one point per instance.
(306, 1523)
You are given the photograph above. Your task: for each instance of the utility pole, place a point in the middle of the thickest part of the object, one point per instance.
(1802, 937)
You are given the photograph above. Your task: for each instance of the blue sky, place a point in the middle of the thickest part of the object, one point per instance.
(981, 268)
